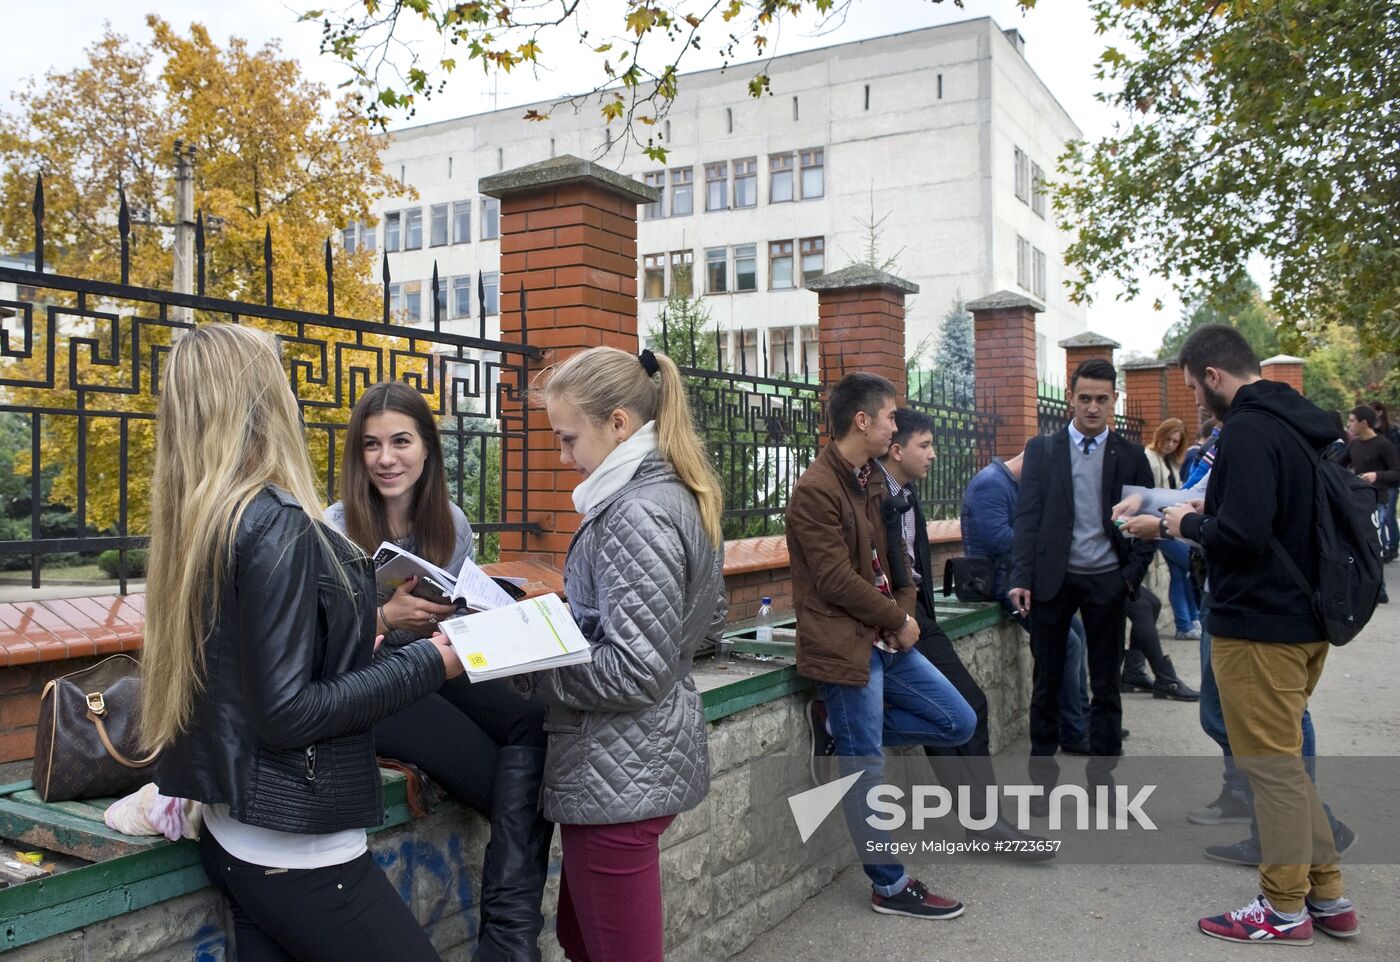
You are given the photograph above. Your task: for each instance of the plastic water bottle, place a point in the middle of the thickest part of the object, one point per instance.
(764, 632)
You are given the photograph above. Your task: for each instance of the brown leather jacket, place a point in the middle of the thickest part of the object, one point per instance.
(831, 524)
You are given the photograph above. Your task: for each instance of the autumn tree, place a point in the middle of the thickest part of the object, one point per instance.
(1264, 128)
(638, 61)
(274, 152)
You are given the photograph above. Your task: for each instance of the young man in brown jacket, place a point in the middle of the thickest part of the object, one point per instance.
(855, 635)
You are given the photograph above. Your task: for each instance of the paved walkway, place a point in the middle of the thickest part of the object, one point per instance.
(1115, 912)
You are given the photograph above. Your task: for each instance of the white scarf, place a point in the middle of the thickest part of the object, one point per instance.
(616, 470)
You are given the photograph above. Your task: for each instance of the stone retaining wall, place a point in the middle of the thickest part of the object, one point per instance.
(719, 894)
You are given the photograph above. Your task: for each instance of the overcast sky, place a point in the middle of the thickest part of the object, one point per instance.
(1060, 44)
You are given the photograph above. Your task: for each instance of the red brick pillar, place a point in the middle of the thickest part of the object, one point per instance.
(1146, 385)
(860, 324)
(1285, 368)
(1181, 403)
(569, 236)
(1085, 347)
(1004, 332)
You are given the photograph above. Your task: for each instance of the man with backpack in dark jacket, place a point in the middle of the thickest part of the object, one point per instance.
(1269, 646)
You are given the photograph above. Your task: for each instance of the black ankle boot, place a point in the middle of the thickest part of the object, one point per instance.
(1135, 681)
(517, 861)
(1168, 685)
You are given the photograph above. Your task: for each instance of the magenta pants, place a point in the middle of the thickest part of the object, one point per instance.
(610, 892)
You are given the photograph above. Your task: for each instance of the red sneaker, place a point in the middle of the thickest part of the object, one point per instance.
(1258, 922)
(917, 902)
(1338, 921)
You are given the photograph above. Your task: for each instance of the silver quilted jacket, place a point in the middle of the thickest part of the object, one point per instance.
(627, 730)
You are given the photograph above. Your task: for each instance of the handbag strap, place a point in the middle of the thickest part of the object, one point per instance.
(94, 714)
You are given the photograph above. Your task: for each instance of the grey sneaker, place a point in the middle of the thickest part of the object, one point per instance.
(1229, 808)
(1241, 853)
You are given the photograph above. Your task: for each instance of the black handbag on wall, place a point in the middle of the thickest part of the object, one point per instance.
(970, 578)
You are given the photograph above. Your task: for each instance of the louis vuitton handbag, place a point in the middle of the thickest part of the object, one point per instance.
(87, 742)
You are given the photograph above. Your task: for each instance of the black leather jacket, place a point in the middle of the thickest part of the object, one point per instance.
(281, 731)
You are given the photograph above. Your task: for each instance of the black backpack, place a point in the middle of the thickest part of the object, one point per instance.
(1349, 567)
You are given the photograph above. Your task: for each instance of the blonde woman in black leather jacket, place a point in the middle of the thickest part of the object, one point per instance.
(259, 687)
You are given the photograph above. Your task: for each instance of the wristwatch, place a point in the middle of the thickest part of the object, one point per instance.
(1163, 527)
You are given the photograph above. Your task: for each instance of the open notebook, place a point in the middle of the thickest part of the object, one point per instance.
(526, 636)
(471, 586)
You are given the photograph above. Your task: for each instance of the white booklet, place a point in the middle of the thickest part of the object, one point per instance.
(527, 636)
(471, 586)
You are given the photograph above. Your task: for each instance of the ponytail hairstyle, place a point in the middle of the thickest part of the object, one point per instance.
(601, 380)
(366, 521)
(227, 425)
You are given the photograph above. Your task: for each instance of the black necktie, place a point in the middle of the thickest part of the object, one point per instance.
(1087, 444)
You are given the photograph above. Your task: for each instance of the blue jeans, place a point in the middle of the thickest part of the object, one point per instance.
(1074, 691)
(1182, 595)
(906, 702)
(1390, 529)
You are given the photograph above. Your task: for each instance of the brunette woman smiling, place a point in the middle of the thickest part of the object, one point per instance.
(482, 742)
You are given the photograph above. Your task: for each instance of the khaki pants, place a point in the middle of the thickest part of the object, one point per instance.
(1264, 689)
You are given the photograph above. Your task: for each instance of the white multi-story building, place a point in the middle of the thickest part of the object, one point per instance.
(942, 135)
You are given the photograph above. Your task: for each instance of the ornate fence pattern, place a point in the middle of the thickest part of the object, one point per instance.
(80, 368)
(964, 440)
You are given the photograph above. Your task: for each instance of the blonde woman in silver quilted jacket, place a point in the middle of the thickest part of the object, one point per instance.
(627, 750)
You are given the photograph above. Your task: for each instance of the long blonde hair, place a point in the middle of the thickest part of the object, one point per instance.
(226, 426)
(601, 380)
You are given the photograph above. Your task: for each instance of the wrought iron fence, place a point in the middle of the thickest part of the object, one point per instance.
(80, 367)
(764, 428)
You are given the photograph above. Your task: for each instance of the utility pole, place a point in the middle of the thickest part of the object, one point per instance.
(184, 223)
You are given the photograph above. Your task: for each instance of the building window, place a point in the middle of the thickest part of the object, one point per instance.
(682, 191)
(717, 270)
(441, 298)
(413, 228)
(1022, 174)
(682, 273)
(462, 296)
(1038, 275)
(461, 221)
(395, 301)
(490, 218)
(653, 277)
(794, 108)
(746, 182)
(657, 179)
(413, 301)
(729, 120)
(716, 186)
(813, 258)
(391, 231)
(867, 96)
(813, 173)
(809, 363)
(1023, 263)
(940, 86)
(449, 167)
(1037, 190)
(667, 136)
(491, 285)
(746, 267)
(347, 238)
(779, 265)
(369, 236)
(779, 178)
(437, 226)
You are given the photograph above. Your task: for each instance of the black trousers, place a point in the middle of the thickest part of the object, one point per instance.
(1100, 601)
(454, 735)
(341, 913)
(969, 764)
